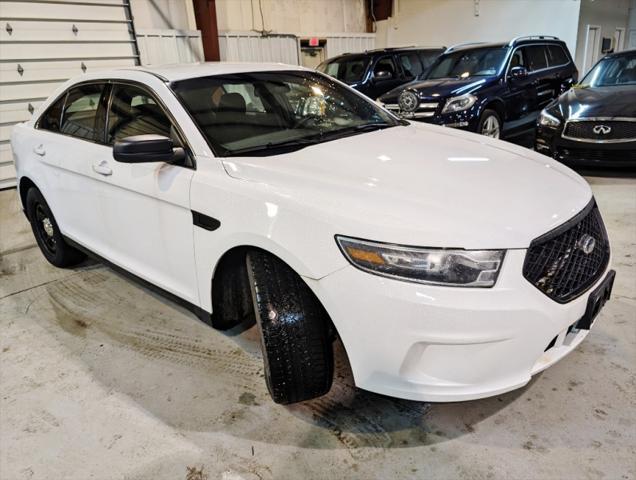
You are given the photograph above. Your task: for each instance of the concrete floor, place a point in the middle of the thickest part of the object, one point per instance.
(102, 379)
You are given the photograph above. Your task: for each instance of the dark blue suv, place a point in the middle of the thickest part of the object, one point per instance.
(375, 72)
(495, 89)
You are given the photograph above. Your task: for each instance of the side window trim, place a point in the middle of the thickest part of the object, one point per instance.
(166, 111)
(65, 95)
(545, 52)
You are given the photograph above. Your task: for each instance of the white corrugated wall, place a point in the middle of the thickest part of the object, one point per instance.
(43, 43)
(254, 47)
(158, 47)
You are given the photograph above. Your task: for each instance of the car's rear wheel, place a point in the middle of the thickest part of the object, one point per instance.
(47, 233)
(295, 334)
(490, 124)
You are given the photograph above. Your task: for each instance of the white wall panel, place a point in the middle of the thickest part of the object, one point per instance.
(348, 43)
(157, 47)
(43, 43)
(252, 47)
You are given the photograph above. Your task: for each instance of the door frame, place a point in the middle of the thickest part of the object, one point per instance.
(620, 42)
(586, 52)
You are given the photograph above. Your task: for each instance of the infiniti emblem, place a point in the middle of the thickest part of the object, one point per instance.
(586, 243)
(602, 129)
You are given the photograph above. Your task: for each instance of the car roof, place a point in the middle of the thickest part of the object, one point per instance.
(623, 53)
(378, 51)
(175, 72)
(475, 45)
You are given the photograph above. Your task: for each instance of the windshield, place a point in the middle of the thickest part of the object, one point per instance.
(469, 63)
(258, 112)
(611, 72)
(348, 70)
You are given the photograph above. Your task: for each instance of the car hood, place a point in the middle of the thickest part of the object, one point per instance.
(618, 101)
(422, 185)
(442, 87)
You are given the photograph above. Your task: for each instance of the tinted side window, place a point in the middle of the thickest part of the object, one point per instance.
(536, 57)
(427, 57)
(385, 64)
(556, 56)
(410, 64)
(80, 116)
(50, 120)
(133, 111)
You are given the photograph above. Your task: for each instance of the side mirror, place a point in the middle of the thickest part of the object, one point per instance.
(518, 72)
(147, 149)
(382, 75)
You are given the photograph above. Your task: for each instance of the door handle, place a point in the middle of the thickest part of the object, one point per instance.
(103, 169)
(39, 150)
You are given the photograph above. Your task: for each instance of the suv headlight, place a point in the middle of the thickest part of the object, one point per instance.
(548, 120)
(433, 266)
(458, 104)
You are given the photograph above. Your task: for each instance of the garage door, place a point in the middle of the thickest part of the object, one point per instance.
(43, 43)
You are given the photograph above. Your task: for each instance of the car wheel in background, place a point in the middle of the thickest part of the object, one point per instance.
(489, 124)
(295, 334)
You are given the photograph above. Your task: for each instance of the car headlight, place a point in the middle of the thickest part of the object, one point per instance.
(458, 104)
(548, 120)
(433, 266)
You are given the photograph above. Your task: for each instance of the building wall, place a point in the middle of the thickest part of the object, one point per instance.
(298, 17)
(608, 14)
(631, 34)
(434, 22)
(163, 14)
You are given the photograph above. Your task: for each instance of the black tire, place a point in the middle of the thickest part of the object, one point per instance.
(47, 233)
(295, 333)
(486, 117)
(231, 293)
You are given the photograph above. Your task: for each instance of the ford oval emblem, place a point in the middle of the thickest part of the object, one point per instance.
(586, 243)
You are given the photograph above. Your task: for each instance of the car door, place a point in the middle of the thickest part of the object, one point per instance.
(385, 76)
(69, 145)
(543, 77)
(146, 206)
(520, 93)
(563, 72)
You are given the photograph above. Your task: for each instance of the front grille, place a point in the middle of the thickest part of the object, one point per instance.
(595, 155)
(601, 130)
(557, 263)
(425, 109)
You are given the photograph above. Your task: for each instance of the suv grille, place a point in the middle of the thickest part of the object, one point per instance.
(561, 263)
(601, 130)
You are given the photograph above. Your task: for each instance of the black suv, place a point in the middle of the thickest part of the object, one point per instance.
(375, 72)
(495, 89)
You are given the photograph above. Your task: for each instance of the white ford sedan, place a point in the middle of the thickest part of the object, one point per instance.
(451, 266)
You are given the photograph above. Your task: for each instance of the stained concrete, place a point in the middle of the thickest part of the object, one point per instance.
(101, 379)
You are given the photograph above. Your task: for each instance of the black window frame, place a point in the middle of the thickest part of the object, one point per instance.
(105, 102)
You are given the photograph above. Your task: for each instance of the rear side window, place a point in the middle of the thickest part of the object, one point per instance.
(428, 57)
(135, 112)
(385, 64)
(536, 57)
(557, 56)
(80, 118)
(51, 119)
(410, 64)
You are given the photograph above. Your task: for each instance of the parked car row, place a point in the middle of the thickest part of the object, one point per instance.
(503, 90)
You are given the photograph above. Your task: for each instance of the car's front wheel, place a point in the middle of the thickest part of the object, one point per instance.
(295, 334)
(490, 124)
(47, 233)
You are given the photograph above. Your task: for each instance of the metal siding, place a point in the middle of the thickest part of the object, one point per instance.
(157, 47)
(44, 43)
(348, 43)
(252, 47)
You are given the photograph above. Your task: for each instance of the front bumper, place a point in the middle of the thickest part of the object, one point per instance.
(432, 343)
(586, 154)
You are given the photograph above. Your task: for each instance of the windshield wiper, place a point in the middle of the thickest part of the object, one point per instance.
(297, 142)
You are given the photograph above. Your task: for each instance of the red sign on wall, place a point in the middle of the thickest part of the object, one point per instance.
(313, 42)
